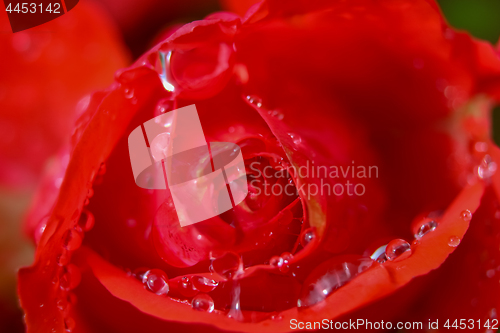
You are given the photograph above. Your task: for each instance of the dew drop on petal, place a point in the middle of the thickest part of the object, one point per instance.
(307, 236)
(129, 93)
(72, 239)
(425, 227)
(454, 241)
(397, 249)
(486, 168)
(156, 281)
(186, 287)
(254, 100)
(40, 229)
(330, 276)
(287, 257)
(227, 265)
(63, 306)
(276, 114)
(69, 324)
(203, 302)
(138, 273)
(204, 284)
(295, 138)
(379, 255)
(276, 261)
(277, 317)
(466, 215)
(86, 220)
(70, 278)
(63, 258)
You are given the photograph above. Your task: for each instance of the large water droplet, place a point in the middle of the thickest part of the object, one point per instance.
(307, 236)
(329, 276)
(379, 255)
(156, 281)
(63, 258)
(186, 287)
(398, 249)
(70, 278)
(295, 138)
(204, 284)
(72, 239)
(276, 114)
(203, 302)
(254, 100)
(227, 265)
(425, 227)
(454, 241)
(486, 168)
(160, 146)
(40, 229)
(165, 105)
(165, 74)
(86, 220)
(466, 215)
(69, 324)
(139, 273)
(128, 92)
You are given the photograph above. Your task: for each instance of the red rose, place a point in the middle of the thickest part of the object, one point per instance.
(383, 95)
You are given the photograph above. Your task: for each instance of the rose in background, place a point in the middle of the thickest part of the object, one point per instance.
(387, 84)
(45, 72)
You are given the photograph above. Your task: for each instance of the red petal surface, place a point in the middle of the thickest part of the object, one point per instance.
(46, 70)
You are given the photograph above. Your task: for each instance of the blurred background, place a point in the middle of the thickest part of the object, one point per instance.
(46, 74)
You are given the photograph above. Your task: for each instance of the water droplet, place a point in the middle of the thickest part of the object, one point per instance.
(69, 324)
(156, 281)
(227, 265)
(204, 284)
(295, 138)
(490, 273)
(203, 302)
(72, 239)
(276, 114)
(90, 193)
(397, 249)
(379, 255)
(63, 305)
(254, 100)
(86, 220)
(330, 276)
(481, 147)
(287, 257)
(63, 258)
(165, 105)
(487, 168)
(186, 287)
(276, 261)
(40, 229)
(454, 241)
(466, 215)
(138, 273)
(277, 317)
(307, 236)
(129, 93)
(425, 227)
(70, 277)
(166, 74)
